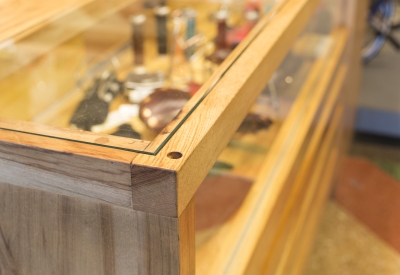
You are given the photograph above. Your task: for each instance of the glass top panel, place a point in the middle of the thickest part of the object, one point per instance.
(125, 69)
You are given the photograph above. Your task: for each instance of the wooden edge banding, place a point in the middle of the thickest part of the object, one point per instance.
(154, 190)
(209, 128)
(66, 146)
(187, 238)
(72, 135)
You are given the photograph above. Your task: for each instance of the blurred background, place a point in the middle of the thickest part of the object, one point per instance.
(360, 228)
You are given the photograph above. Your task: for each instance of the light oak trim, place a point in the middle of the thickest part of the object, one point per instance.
(187, 247)
(276, 169)
(206, 132)
(39, 130)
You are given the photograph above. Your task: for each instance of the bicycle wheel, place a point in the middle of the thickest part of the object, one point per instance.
(379, 23)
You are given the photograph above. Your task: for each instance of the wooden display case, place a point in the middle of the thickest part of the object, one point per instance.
(213, 192)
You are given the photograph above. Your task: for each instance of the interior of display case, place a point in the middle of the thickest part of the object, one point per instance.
(128, 71)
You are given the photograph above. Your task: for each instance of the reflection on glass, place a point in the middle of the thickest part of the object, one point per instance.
(125, 72)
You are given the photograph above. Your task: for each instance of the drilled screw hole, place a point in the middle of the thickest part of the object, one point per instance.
(174, 155)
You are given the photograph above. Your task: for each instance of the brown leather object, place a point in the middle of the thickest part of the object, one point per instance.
(161, 107)
(218, 199)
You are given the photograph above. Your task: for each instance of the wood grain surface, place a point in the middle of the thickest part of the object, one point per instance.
(45, 233)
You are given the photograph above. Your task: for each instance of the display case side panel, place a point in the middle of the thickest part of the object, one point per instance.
(277, 239)
(45, 233)
(66, 168)
(284, 252)
(263, 205)
(207, 131)
(308, 225)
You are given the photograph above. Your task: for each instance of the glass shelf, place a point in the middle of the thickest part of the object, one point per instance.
(124, 70)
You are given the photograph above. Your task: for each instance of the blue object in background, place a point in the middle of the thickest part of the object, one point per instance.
(378, 122)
